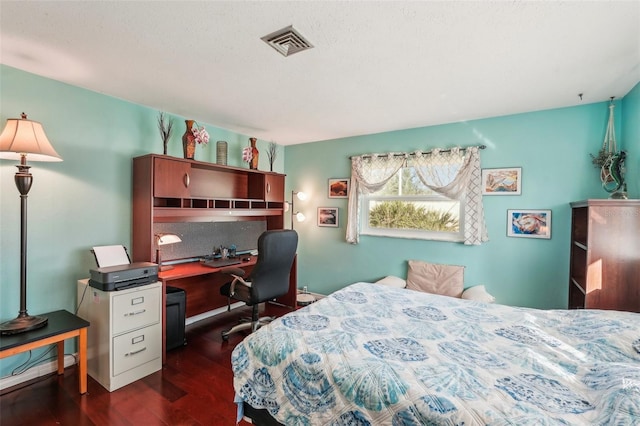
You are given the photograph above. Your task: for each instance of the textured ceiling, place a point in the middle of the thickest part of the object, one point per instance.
(375, 66)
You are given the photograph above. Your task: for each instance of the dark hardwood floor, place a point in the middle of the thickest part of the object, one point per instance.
(194, 387)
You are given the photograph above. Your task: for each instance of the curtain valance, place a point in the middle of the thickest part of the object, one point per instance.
(454, 173)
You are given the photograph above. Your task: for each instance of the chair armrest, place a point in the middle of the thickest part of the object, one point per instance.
(233, 270)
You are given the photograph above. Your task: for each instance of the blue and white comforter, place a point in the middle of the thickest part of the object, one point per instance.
(374, 355)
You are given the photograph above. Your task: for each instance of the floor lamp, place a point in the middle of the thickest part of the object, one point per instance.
(22, 138)
(298, 215)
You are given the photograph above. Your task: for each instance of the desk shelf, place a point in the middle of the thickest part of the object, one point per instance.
(268, 208)
(169, 189)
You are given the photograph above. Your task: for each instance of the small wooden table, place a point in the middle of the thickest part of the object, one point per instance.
(62, 325)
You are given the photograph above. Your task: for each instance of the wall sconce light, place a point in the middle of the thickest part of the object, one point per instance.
(290, 206)
(161, 240)
(19, 139)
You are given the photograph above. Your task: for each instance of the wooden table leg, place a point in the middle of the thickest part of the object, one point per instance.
(82, 360)
(163, 309)
(60, 357)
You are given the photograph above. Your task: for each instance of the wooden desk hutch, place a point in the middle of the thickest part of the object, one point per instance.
(170, 190)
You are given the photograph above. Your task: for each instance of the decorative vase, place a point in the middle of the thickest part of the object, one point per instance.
(221, 153)
(189, 141)
(253, 165)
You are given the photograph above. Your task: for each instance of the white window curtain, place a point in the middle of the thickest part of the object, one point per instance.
(457, 176)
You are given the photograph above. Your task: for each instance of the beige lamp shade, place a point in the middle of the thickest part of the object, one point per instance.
(22, 137)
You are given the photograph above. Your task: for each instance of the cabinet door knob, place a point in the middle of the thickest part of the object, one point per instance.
(268, 187)
(186, 180)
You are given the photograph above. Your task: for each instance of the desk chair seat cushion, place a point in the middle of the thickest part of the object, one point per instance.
(240, 292)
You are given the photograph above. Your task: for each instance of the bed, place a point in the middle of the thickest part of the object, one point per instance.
(375, 355)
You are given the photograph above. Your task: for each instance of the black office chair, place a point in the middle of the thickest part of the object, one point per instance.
(268, 280)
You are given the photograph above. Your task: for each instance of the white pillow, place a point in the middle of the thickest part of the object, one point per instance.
(478, 293)
(392, 281)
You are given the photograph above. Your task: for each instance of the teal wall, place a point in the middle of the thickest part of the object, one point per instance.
(552, 147)
(85, 200)
(630, 140)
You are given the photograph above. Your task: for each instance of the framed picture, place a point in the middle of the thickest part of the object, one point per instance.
(328, 216)
(339, 188)
(529, 223)
(502, 181)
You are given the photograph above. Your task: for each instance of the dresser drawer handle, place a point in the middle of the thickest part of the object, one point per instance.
(130, 314)
(186, 180)
(136, 352)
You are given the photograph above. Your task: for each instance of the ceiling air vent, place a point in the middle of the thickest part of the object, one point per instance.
(287, 41)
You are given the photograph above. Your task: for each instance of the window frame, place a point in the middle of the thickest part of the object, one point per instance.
(366, 200)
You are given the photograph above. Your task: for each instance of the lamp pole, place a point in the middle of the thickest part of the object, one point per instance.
(23, 322)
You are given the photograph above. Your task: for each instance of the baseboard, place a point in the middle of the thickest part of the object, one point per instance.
(36, 371)
(208, 314)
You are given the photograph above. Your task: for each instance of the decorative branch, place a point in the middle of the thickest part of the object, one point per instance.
(272, 154)
(165, 125)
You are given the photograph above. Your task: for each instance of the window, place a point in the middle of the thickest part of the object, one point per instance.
(406, 208)
(427, 195)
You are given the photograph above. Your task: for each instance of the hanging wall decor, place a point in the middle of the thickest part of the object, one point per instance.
(529, 223)
(503, 181)
(328, 216)
(339, 188)
(610, 161)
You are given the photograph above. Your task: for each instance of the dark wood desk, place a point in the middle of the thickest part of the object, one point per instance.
(202, 283)
(62, 325)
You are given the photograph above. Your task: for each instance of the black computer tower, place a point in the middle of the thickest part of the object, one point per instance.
(175, 312)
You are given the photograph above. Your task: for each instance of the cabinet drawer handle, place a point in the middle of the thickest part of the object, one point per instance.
(130, 314)
(186, 180)
(268, 188)
(136, 352)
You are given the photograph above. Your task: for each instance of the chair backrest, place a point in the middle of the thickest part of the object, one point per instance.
(270, 275)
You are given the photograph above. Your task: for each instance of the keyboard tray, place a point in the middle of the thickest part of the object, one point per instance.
(220, 263)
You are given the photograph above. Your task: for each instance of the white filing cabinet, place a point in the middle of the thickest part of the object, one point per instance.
(125, 336)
